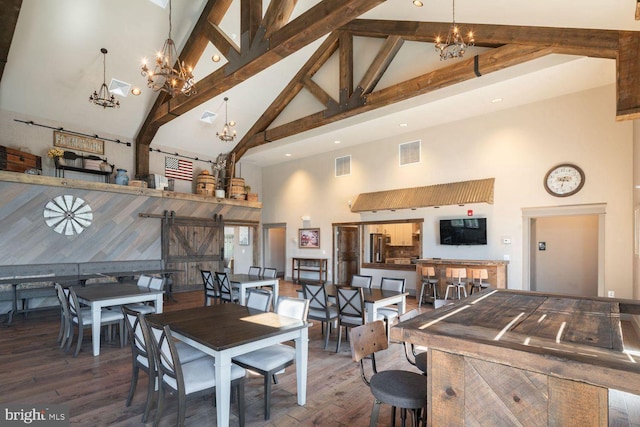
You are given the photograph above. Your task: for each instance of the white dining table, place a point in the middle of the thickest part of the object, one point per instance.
(99, 296)
(238, 330)
(246, 281)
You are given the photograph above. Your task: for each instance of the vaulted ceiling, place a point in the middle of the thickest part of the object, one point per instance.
(301, 74)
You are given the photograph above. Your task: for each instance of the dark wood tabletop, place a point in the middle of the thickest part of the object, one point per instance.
(107, 291)
(223, 326)
(248, 278)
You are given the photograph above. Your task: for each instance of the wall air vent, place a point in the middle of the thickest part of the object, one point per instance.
(343, 166)
(409, 153)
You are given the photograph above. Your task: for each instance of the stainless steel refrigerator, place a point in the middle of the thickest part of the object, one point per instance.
(377, 247)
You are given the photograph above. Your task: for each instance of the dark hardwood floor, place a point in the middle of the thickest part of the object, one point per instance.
(34, 370)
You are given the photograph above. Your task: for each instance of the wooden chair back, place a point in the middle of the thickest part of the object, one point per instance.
(225, 286)
(367, 339)
(456, 273)
(427, 272)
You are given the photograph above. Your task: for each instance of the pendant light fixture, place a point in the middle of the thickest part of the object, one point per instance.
(454, 46)
(102, 97)
(227, 135)
(164, 76)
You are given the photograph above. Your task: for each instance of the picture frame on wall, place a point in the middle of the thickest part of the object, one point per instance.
(309, 238)
(243, 236)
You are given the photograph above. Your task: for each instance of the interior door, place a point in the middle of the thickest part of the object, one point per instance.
(191, 244)
(347, 253)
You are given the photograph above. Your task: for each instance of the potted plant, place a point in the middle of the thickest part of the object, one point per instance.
(56, 154)
(253, 197)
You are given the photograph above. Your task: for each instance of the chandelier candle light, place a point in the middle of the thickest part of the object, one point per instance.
(454, 46)
(227, 135)
(164, 76)
(101, 97)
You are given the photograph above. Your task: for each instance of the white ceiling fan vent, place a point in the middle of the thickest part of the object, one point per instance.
(409, 153)
(343, 166)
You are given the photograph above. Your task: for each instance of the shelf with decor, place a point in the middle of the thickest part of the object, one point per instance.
(90, 164)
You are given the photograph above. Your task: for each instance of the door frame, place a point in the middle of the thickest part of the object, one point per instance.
(265, 242)
(530, 214)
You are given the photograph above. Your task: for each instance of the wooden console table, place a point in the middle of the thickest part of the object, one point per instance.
(502, 357)
(315, 266)
(497, 270)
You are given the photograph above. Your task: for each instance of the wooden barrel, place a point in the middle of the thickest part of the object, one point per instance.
(205, 184)
(237, 188)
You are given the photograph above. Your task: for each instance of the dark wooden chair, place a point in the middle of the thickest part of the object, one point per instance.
(227, 292)
(187, 379)
(350, 310)
(400, 389)
(211, 288)
(270, 360)
(319, 308)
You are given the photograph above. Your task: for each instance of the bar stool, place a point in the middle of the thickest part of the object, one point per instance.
(427, 274)
(456, 275)
(477, 277)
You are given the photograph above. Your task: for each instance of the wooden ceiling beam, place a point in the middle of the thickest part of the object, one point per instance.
(486, 35)
(8, 20)
(308, 27)
(628, 77)
(220, 40)
(277, 15)
(489, 61)
(256, 135)
(250, 19)
(380, 64)
(345, 55)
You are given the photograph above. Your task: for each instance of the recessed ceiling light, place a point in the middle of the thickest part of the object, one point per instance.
(288, 154)
(136, 91)
(215, 58)
(336, 142)
(496, 100)
(418, 3)
(403, 125)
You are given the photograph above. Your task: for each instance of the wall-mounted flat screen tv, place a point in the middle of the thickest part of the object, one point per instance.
(463, 231)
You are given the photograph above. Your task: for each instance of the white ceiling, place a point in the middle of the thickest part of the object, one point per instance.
(55, 63)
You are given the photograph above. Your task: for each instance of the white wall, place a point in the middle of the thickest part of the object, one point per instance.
(516, 146)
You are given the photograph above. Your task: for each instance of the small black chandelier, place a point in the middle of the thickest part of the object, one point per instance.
(102, 97)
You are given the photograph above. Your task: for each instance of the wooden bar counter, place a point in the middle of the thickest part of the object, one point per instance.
(497, 270)
(503, 357)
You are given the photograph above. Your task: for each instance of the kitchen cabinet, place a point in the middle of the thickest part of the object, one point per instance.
(401, 234)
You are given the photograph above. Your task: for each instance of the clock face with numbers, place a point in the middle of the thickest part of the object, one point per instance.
(564, 180)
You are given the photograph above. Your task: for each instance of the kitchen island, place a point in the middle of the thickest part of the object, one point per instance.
(503, 357)
(497, 270)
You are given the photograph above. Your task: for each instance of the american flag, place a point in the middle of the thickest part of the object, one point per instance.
(178, 168)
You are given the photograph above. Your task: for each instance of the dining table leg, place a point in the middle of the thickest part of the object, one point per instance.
(223, 387)
(302, 356)
(95, 328)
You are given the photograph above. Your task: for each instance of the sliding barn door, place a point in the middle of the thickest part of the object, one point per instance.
(192, 244)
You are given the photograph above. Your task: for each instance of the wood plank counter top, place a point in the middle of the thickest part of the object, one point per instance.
(496, 270)
(542, 359)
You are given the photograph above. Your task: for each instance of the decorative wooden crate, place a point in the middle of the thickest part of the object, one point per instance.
(18, 161)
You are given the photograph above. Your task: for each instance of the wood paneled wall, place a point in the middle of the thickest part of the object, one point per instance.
(117, 232)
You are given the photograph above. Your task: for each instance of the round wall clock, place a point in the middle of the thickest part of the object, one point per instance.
(564, 180)
(68, 215)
